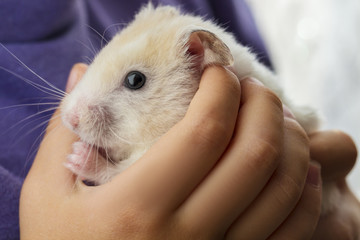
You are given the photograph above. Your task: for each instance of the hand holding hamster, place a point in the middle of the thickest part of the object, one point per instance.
(201, 180)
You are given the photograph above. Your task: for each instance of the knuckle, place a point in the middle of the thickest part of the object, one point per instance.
(227, 76)
(289, 191)
(195, 229)
(301, 144)
(295, 128)
(264, 154)
(233, 84)
(272, 97)
(210, 131)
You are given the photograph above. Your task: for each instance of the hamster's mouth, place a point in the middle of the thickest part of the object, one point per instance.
(105, 153)
(101, 152)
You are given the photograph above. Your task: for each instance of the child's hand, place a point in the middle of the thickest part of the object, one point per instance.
(224, 171)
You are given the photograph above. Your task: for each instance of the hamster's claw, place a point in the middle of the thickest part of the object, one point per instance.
(84, 161)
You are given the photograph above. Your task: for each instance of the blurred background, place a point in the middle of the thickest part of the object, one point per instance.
(315, 49)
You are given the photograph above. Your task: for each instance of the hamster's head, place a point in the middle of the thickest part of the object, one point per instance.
(142, 82)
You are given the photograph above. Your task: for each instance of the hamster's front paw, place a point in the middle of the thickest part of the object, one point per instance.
(84, 161)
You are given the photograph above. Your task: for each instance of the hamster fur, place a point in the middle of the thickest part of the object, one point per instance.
(171, 49)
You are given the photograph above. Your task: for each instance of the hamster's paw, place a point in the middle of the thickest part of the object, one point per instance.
(83, 161)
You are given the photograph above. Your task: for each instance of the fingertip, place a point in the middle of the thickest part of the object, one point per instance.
(335, 151)
(349, 142)
(76, 72)
(218, 94)
(287, 112)
(254, 88)
(218, 72)
(252, 81)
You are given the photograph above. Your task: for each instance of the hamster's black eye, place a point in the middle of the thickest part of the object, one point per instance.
(134, 80)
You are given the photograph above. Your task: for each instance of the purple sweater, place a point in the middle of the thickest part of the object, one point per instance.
(49, 37)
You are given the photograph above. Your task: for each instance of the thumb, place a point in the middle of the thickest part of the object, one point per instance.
(76, 73)
(335, 151)
(47, 171)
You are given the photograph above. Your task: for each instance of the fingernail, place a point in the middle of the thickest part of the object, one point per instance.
(313, 177)
(230, 68)
(287, 112)
(255, 81)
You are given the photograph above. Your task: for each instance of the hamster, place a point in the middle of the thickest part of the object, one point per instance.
(141, 83)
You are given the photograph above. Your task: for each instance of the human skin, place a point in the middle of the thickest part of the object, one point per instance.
(336, 152)
(212, 176)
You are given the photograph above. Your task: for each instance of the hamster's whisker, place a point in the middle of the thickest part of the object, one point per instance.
(96, 146)
(108, 161)
(34, 148)
(92, 47)
(45, 122)
(88, 156)
(96, 157)
(92, 51)
(87, 60)
(53, 87)
(97, 33)
(43, 98)
(107, 158)
(51, 98)
(47, 117)
(33, 120)
(29, 104)
(107, 29)
(120, 138)
(41, 88)
(113, 25)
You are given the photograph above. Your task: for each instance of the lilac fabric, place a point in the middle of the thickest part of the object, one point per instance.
(49, 37)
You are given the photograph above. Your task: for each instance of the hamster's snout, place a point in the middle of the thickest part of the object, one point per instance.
(72, 119)
(83, 116)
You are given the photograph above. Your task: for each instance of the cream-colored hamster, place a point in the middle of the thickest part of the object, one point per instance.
(141, 84)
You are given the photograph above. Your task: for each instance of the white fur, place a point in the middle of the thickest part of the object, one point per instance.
(127, 122)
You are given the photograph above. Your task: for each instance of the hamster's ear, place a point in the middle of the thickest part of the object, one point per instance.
(207, 49)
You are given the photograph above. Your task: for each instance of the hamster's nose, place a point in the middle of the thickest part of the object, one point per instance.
(73, 119)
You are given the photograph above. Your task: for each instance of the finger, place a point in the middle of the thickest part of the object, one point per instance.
(47, 169)
(343, 220)
(76, 73)
(247, 165)
(183, 156)
(335, 151)
(281, 194)
(302, 222)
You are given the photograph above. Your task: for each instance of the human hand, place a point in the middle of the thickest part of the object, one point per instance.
(336, 153)
(218, 173)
